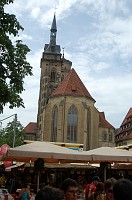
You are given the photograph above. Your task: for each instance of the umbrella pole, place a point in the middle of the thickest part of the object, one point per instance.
(104, 173)
(103, 167)
(38, 181)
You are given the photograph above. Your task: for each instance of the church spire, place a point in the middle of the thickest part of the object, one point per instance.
(52, 47)
(54, 27)
(53, 32)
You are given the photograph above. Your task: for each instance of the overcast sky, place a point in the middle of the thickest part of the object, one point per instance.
(97, 37)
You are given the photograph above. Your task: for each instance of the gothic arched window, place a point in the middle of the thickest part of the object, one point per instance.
(53, 75)
(110, 137)
(54, 124)
(72, 124)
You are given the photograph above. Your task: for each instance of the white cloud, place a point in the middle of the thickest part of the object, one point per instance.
(34, 60)
(25, 37)
(35, 12)
(112, 96)
(15, 8)
(100, 66)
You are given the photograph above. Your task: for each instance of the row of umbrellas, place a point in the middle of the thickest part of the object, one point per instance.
(54, 154)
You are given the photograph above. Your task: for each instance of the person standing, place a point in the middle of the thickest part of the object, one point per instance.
(91, 187)
(109, 183)
(24, 193)
(49, 193)
(70, 189)
(99, 194)
(122, 190)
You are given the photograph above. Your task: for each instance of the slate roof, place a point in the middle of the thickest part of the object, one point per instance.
(103, 122)
(56, 50)
(31, 128)
(53, 26)
(72, 85)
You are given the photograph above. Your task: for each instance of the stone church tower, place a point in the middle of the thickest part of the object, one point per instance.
(66, 111)
(54, 67)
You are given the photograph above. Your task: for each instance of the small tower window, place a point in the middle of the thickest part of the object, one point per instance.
(74, 88)
(53, 75)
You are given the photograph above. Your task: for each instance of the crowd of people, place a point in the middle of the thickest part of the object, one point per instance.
(111, 189)
(71, 189)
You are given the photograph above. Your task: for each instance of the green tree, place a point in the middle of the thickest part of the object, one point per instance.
(13, 64)
(7, 134)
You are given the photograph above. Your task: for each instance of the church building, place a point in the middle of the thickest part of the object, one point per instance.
(66, 110)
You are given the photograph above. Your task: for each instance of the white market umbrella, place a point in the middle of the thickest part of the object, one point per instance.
(49, 152)
(109, 154)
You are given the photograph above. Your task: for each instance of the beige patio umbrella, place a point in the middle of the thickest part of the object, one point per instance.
(49, 152)
(109, 154)
(54, 154)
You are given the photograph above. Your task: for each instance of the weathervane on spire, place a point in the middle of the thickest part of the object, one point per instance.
(55, 8)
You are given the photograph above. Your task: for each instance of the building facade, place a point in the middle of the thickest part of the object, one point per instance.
(66, 110)
(124, 133)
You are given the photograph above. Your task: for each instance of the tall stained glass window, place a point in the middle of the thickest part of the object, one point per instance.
(54, 124)
(72, 124)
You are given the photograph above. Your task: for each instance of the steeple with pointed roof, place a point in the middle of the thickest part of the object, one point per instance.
(52, 47)
(53, 26)
(53, 32)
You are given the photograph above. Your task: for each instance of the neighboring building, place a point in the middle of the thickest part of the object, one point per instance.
(123, 135)
(66, 111)
(30, 131)
(106, 132)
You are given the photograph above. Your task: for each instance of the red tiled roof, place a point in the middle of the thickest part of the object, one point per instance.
(31, 128)
(103, 122)
(72, 85)
(126, 127)
(129, 114)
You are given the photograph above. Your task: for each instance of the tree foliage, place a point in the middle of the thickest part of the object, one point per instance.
(7, 134)
(13, 64)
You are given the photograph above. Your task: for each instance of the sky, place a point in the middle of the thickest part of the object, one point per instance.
(96, 36)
